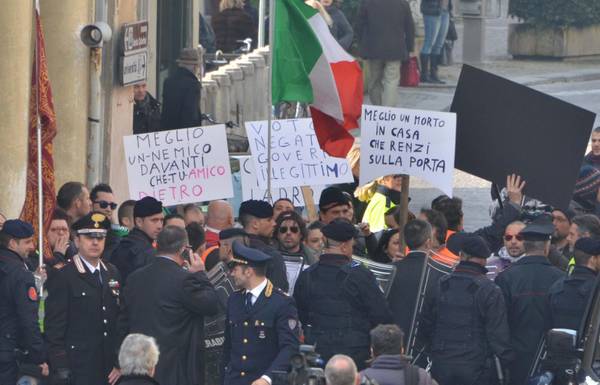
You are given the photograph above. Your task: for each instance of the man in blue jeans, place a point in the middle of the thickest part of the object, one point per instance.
(436, 18)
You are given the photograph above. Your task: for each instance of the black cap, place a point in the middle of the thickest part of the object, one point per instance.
(569, 212)
(332, 196)
(454, 242)
(95, 225)
(475, 246)
(244, 255)
(17, 228)
(540, 229)
(256, 208)
(146, 207)
(588, 245)
(230, 233)
(340, 230)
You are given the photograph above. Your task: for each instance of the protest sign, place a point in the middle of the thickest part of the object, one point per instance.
(251, 189)
(412, 142)
(296, 158)
(179, 166)
(504, 127)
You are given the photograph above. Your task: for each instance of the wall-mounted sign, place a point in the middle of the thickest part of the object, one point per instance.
(133, 63)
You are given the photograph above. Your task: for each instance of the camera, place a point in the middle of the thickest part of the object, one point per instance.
(306, 368)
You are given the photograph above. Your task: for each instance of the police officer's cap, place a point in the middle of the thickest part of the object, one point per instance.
(588, 245)
(94, 225)
(16, 228)
(230, 233)
(475, 246)
(256, 208)
(332, 196)
(340, 230)
(245, 255)
(540, 229)
(146, 207)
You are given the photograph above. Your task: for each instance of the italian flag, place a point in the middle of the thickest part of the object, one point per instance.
(310, 66)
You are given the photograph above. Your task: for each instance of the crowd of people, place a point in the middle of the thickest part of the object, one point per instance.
(126, 288)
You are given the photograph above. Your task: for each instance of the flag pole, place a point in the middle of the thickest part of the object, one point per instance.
(39, 146)
(270, 94)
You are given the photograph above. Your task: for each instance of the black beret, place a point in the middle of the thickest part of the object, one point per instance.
(95, 225)
(340, 230)
(146, 207)
(230, 233)
(540, 229)
(16, 228)
(454, 242)
(331, 197)
(256, 208)
(588, 245)
(245, 255)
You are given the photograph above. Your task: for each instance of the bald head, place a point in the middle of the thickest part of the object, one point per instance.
(341, 370)
(219, 215)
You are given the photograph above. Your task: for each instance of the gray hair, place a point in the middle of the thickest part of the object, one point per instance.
(535, 247)
(171, 240)
(340, 370)
(138, 355)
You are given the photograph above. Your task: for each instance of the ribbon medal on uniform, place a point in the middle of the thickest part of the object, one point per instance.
(261, 335)
(32, 294)
(114, 287)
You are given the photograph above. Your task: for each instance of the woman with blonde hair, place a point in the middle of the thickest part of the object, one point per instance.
(382, 194)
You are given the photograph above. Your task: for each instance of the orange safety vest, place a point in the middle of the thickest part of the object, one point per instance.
(207, 252)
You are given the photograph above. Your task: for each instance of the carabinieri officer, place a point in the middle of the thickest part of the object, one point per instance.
(82, 309)
(262, 328)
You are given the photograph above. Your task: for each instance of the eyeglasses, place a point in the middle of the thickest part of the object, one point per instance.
(284, 229)
(105, 204)
(509, 237)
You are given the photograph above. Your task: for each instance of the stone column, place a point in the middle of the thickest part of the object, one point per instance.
(236, 95)
(68, 63)
(261, 74)
(222, 100)
(16, 29)
(249, 89)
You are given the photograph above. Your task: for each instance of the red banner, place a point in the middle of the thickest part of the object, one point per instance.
(40, 106)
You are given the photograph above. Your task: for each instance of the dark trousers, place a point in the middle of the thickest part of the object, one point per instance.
(450, 373)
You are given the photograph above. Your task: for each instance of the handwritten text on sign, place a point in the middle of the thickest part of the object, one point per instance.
(179, 166)
(251, 190)
(296, 158)
(413, 142)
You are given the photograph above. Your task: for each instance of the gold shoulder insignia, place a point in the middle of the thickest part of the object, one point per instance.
(269, 289)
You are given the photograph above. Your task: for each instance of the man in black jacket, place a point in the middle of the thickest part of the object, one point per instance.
(136, 249)
(464, 320)
(146, 111)
(257, 219)
(19, 327)
(386, 35)
(181, 95)
(339, 301)
(569, 295)
(525, 285)
(81, 311)
(169, 303)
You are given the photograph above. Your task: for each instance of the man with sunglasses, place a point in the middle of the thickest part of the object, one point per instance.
(511, 251)
(168, 300)
(262, 328)
(290, 232)
(103, 201)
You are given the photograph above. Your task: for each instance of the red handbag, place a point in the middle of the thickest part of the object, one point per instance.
(409, 73)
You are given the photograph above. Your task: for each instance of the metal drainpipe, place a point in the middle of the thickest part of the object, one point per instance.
(96, 129)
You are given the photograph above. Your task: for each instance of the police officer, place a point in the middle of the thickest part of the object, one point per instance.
(137, 248)
(464, 321)
(81, 311)
(569, 295)
(339, 301)
(525, 285)
(262, 328)
(19, 327)
(257, 219)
